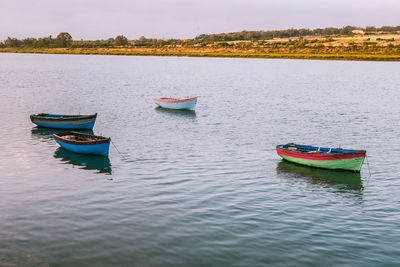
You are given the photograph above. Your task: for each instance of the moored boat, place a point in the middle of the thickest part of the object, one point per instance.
(64, 121)
(323, 157)
(83, 143)
(176, 103)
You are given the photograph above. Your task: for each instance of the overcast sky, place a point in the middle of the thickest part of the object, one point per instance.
(100, 19)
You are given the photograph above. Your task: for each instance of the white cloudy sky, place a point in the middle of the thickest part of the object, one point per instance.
(100, 19)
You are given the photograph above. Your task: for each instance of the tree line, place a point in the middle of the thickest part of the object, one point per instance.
(290, 33)
(64, 39)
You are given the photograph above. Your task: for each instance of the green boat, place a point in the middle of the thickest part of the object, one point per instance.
(323, 157)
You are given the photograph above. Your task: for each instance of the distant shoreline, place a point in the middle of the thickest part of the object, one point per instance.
(208, 53)
(346, 43)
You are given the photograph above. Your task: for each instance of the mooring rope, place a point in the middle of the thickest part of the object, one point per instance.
(366, 157)
(118, 150)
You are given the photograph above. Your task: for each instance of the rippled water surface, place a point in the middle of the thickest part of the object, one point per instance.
(203, 188)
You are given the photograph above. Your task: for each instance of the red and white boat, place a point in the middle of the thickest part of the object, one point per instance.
(176, 103)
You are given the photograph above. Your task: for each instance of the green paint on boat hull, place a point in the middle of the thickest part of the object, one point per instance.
(354, 164)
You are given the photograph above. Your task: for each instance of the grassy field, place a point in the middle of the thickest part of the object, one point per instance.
(368, 47)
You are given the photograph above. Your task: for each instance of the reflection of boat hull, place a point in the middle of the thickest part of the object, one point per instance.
(177, 103)
(326, 158)
(177, 112)
(64, 121)
(43, 134)
(87, 162)
(352, 180)
(98, 146)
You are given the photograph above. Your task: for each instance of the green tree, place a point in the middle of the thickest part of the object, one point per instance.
(12, 42)
(121, 40)
(63, 39)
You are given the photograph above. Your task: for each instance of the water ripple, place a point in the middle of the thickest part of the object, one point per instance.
(198, 188)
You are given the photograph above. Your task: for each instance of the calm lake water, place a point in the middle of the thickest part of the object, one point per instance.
(203, 188)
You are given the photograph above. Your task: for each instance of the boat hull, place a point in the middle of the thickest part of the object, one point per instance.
(189, 104)
(351, 161)
(69, 123)
(92, 148)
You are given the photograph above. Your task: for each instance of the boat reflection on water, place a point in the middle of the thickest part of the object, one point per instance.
(85, 162)
(177, 112)
(46, 134)
(339, 179)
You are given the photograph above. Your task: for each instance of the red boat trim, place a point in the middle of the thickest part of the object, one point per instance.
(322, 156)
(80, 143)
(174, 100)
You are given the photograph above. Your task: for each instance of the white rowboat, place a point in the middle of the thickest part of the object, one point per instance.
(176, 103)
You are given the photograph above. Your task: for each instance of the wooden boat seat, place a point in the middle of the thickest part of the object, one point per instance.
(78, 138)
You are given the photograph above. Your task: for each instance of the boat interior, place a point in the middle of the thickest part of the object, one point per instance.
(57, 116)
(80, 137)
(314, 149)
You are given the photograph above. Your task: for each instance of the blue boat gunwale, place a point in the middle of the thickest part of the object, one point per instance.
(322, 150)
(98, 139)
(61, 117)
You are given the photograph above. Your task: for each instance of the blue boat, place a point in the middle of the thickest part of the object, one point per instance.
(83, 143)
(64, 121)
